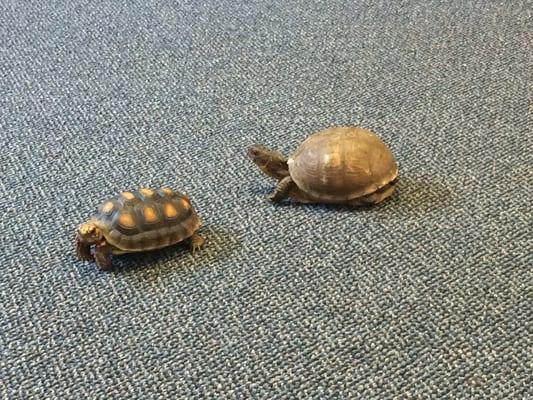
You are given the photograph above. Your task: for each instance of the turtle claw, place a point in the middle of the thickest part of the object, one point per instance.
(88, 257)
(282, 190)
(197, 242)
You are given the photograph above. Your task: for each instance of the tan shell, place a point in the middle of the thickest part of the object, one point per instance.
(341, 164)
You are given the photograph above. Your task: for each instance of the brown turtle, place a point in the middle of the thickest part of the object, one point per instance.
(343, 165)
(138, 220)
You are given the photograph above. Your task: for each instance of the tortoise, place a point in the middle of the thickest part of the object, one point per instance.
(138, 220)
(340, 165)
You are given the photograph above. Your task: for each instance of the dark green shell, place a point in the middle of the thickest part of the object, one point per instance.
(146, 219)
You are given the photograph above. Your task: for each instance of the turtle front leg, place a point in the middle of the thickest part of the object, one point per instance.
(102, 255)
(282, 190)
(196, 242)
(83, 250)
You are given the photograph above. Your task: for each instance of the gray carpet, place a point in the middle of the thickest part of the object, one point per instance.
(425, 296)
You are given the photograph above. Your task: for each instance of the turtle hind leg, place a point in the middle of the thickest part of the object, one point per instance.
(196, 242)
(282, 190)
(374, 198)
(102, 255)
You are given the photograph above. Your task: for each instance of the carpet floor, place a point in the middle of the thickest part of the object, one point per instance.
(427, 295)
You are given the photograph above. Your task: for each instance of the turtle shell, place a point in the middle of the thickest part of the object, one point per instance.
(146, 219)
(342, 164)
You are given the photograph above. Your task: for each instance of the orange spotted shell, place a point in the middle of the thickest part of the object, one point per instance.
(147, 219)
(342, 164)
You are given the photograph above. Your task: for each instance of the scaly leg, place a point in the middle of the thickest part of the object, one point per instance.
(102, 255)
(83, 250)
(196, 242)
(282, 190)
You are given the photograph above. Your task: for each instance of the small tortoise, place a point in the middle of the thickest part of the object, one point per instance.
(138, 220)
(343, 165)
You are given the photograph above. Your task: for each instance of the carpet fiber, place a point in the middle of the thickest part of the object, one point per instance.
(427, 295)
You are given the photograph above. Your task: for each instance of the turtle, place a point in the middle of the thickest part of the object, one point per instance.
(346, 165)
(138, 220)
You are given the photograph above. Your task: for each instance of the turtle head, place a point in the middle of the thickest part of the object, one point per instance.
(271, 162)
(89, 233)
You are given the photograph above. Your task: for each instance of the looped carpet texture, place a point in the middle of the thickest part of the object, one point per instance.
(425, 296)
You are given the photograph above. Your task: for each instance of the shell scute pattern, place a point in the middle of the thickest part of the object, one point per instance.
(342, 163)
(146, 219)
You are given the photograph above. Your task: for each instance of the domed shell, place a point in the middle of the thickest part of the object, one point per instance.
(147, 219)
(342, 163)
